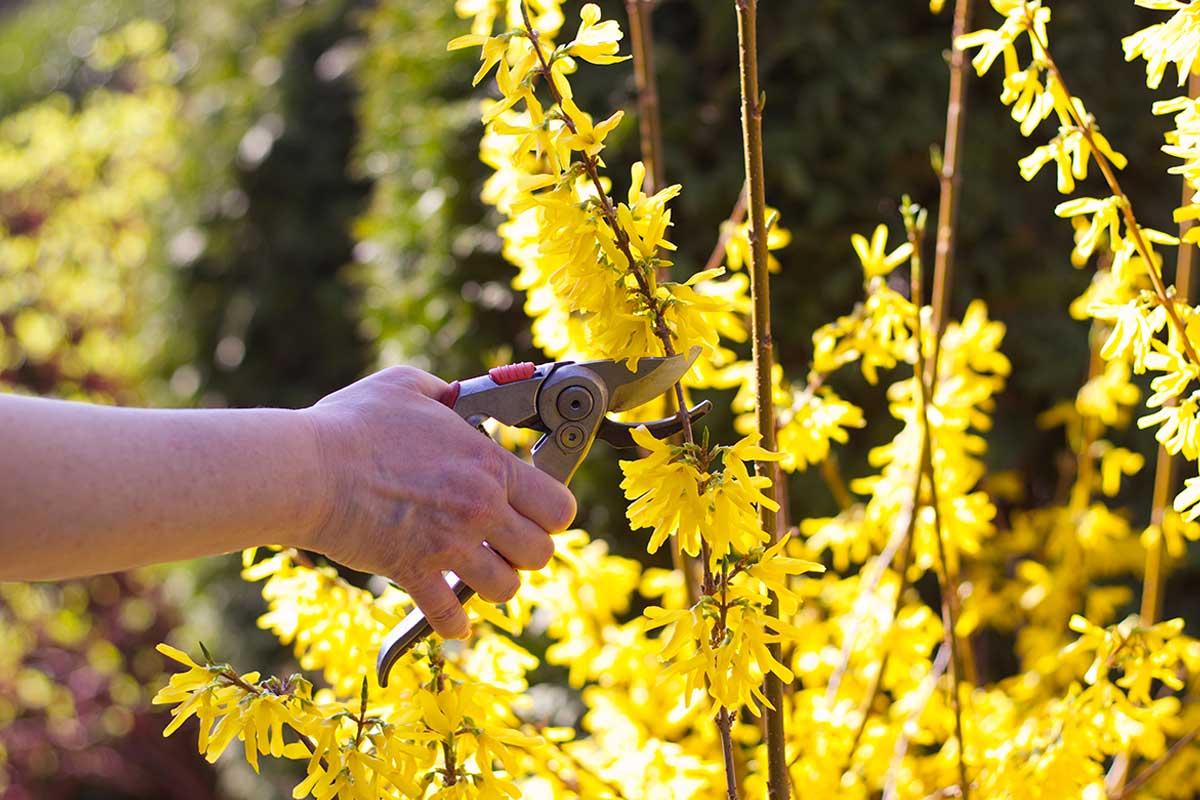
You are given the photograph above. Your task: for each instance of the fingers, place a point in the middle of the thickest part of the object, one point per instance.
(523, 542)
(538, 497)
(488, 574)
(437, 602)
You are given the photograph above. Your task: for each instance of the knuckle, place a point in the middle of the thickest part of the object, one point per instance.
(492, 461)
(476, 508)
(403, 377)
(402, 374)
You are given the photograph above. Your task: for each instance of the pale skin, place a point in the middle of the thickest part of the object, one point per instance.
(379, 476)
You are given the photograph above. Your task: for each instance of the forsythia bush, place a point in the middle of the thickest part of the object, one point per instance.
(882, 693)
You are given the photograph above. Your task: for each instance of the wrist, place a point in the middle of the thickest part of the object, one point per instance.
(318, 483)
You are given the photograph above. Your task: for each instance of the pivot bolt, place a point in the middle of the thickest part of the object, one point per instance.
(575, 403)
(571, 437)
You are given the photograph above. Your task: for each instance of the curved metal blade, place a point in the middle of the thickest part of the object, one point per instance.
(412, 629)
(653, 377)
(620, 434)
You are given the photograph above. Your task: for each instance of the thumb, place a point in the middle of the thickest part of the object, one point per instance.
(415, 380)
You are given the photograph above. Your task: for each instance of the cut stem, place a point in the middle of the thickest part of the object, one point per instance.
(641, 36)
(661, 330)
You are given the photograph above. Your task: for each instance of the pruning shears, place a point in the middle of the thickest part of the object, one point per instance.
(569, 403)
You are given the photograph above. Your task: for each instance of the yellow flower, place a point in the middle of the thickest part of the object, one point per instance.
(810, 422)
(665, 494)
(876, 261)
(588, 138)
(737, 245)
(1176, 41)
(1187, 502)
(596, 41)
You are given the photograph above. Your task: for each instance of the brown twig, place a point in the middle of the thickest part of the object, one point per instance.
(950, 177)
(831, 473)
(1167, 473)
(717, 256)
(760, 289)
(901, 538)
(940, 662)
(641, 36)
(1149, 772)
(1087, 129)
(869, 697)
(237, 680)
(949, 587)
(608, 210)
(949, 200)
(584, 769)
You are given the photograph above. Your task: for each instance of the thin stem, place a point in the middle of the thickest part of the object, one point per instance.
(1167, 473)
(583, 770)
(950, 182)
(872, 693)
(661, 330)
(725, 715)
(361, 719)
(1149, 772)
(940, 662)
(831, 473)
(717, 256)
(948, 586)
(760, 288)
(641, 36)
(236, 680)
(1087, 129)
(950, 194)
(901, 538)
(438, 683)
(609, 212)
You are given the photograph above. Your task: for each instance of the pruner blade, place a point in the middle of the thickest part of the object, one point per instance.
(653, 377)
(620, 434)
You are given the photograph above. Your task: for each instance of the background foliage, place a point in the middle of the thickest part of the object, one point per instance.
(315, 213)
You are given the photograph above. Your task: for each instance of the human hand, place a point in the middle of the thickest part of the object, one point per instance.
(414, 490)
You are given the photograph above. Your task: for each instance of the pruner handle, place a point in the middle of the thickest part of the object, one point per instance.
(412, 629)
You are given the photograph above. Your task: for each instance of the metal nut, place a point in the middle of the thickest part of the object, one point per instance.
(571, 437)
(575, 403)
